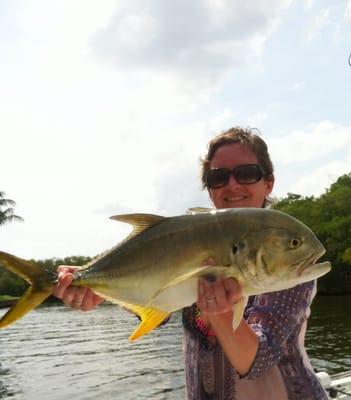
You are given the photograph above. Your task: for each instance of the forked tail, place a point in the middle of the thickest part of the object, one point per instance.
(41, 285)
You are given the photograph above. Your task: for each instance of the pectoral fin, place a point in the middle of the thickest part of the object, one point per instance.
(205, 271)
(238, 310)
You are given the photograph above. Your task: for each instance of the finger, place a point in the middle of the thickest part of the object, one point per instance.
(66, 268)
(233, 290)
(64, 282)
(78, 298)
(220, 293)
(69, 295)
(98, 300)
(90, 301)
(210, 297)
(201, 299)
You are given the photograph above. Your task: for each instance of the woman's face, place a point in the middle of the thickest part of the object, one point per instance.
(234, 194)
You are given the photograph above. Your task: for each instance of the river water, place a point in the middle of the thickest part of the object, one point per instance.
(55, 353)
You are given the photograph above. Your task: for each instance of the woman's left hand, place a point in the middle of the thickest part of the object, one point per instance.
(218, 297)
(216, 300)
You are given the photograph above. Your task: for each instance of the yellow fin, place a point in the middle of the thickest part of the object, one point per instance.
(238, 310)
(140, 222)
(31, 299)
(40, 279)
(150, 319)
(24, 269)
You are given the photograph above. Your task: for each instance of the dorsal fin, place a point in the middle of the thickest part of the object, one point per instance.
(199, 210)
(140, 222)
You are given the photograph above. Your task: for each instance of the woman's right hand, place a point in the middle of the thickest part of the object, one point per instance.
(80, 298)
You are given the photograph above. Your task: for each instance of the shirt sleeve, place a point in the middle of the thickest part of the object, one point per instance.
(275, 317)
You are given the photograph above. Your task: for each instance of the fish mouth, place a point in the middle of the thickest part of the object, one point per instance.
(311, 262)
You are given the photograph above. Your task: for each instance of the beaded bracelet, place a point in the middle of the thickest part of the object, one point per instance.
(201, 325)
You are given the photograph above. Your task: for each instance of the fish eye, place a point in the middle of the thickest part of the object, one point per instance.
(237, 247)
(294, 243)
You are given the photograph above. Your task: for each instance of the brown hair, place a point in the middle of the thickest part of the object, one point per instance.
(245, 136)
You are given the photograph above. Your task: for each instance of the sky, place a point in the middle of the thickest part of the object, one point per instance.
(106, 107)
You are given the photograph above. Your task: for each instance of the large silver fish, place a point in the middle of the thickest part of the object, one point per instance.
(154, 271)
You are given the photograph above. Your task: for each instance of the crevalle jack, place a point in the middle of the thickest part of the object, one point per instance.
(154, 271)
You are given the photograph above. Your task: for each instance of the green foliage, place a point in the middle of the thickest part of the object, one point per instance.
(6, 212)
(329, 216)
(52, 263)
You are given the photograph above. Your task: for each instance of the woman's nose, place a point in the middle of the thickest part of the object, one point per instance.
(233, 182)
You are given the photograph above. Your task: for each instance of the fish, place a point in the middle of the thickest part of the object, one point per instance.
(154, 271)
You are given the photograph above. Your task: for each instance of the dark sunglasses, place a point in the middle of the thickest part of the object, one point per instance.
(243, 174)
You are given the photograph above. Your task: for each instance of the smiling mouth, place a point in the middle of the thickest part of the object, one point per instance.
(235, 198)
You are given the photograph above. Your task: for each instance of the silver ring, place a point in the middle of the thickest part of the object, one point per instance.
(211, 300)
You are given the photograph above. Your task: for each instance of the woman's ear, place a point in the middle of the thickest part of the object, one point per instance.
(269, 185)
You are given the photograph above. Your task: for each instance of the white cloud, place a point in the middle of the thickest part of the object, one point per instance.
(308, 3)
(196, 43)
(316, 182)
(257, 119)
(348, 10)
(314, 142)
(318, 24)
(298, 86)
(84, 140)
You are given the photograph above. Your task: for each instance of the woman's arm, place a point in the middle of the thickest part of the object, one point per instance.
(259, 341)
(240, 345)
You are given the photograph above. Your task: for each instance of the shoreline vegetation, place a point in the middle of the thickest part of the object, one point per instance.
(329, 217)
(7, 301)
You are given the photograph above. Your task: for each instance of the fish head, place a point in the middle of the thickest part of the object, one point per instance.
(279, 253)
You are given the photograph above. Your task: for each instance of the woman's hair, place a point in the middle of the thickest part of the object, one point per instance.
(245, 136)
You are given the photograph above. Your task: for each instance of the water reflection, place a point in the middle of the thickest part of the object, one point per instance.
(328, 338)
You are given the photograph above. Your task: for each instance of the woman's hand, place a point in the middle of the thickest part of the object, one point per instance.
(80, 298)
(216, 300)
(218, 297)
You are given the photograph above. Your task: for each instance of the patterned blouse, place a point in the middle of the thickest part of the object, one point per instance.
(281, 369)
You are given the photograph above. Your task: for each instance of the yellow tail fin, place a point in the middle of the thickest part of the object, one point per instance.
(39, 279)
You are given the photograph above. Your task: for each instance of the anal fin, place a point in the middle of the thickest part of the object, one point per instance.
(150, 319)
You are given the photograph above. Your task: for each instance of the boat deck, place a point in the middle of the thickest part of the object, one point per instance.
(338, 386)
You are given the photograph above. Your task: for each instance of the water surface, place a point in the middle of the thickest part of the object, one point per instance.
(57, 353)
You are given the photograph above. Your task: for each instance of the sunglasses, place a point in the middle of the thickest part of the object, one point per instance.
(243, 174)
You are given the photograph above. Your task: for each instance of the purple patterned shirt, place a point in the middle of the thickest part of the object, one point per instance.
(281, 369)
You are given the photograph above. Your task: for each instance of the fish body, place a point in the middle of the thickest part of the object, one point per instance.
(155, 270)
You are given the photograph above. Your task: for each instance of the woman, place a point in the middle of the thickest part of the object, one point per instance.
(264, 358)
